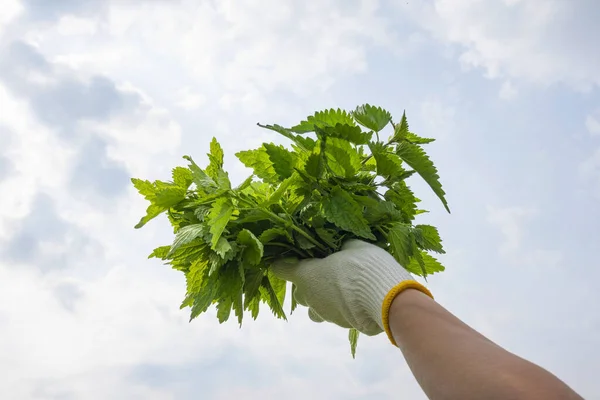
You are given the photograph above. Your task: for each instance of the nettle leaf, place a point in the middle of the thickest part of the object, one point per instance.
(351, 133)
(186, 235)
(160, 252)
(216, 159)
(374, 118)
(401, 130)
(416, 157)
(252, 247)
(200, 178)
(145, 188)
(151, 212)
(424, 262)
(282, 159)
(388, 163)
(260, 162)
(182, 177)
(353, 338)
(271, 296)
(218, 218)
(342, 157)
(428, 238)
(342, 210)
(411, 137)
(322, 119)
(304, 143)
(404, 199)
(401, 243)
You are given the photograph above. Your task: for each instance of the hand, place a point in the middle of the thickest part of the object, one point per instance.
(349, 287)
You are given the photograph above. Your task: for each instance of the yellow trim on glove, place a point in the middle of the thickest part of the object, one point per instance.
(389, 298)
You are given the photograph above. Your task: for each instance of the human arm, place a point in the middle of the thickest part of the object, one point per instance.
(450, 360)
(363, 287)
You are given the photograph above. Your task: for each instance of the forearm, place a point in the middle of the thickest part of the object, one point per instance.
(452, 361)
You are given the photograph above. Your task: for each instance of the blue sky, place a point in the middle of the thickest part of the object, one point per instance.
(94, 92)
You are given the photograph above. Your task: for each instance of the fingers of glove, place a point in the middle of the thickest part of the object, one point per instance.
(312, 314)
(300, 297)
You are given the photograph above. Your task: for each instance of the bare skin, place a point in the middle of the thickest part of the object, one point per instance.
(452, 361)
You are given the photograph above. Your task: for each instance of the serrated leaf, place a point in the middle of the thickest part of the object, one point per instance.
(342, 210)
(314, 165)
(279, 287)
(169, 196)
(269, 295)
(351, 133)
(429, 264)
(219, 216)
(401, 243)
(383, 212)
(416, 157)
(353, 338)
(160, 252)
(223, 247)
(304, 143)
(145, 188)
(322, 119)
(216, 159)
(328, 236)
(186, 235)
(282, 159)
(411, 137)
(200, 178)
(273, 233)
(151, 212)
(283, 188)
(388, 163)
(182, 177)
(253, 248)
(374, 118)
(401, 130)
(428, 238)
(404, 199)
(260, 162)
(342, 157)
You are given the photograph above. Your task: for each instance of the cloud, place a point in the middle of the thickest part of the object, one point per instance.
(539, 41)
(592, 123)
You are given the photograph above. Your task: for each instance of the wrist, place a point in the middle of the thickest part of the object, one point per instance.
(400, 297)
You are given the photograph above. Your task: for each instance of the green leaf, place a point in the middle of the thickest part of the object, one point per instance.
(351, 133)
(270, 296)
(404, 199)
(388, 164)
(218, 218)
(342, 210)
(353, 338)
(151, 212)
(282, 189)
(273, 233)
(414, 156)
(182, 177)
(223, 247)
(314, 166)
(304, 143)
(322, 119)
(429, 264)
(252, 247)
(401, 130)
(411, 137)
(260, 162)
(145, 188)
(169, 196)
(200, 178)
(160, 252)
(428, 238)
(216, 159)
(401, 243)
(186, 235)
(282, 159)
(374, 118)
(342, 157)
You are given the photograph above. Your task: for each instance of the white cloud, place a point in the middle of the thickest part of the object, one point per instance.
(189, 100)
(541, 41)
(592, 123)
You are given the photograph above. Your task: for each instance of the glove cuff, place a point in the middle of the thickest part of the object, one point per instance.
(389, 298)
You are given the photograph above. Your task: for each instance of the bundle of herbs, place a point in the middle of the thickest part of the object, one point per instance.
(338, 181)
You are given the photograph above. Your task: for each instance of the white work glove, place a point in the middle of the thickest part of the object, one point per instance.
(352, 288)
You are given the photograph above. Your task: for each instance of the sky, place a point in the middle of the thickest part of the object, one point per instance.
(94, 92)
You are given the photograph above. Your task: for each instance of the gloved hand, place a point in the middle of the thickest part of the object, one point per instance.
(352, 288)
